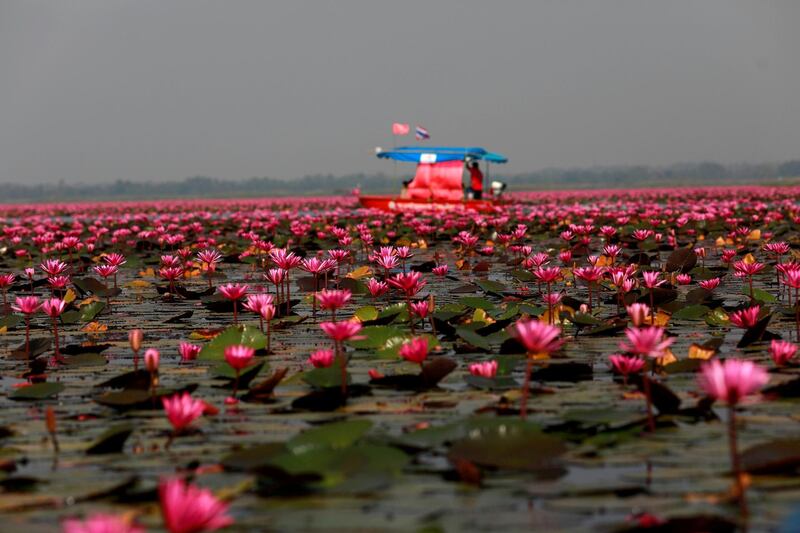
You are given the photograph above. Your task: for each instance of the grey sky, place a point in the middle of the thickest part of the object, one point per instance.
(105, 90)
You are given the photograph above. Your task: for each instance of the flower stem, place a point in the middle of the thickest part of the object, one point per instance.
(651, 424)
(735, 464)
(526, 388)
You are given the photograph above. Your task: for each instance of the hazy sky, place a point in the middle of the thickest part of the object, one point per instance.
(105, 90)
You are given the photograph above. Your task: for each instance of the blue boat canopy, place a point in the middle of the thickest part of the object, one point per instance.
(439, 154)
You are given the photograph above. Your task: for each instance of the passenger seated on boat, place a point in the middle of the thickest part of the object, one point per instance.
(497, 188)
(404, 191)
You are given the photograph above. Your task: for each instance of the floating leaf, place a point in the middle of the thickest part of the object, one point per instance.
(683, 259)
(511, 445)
(360, 273)
(473, 339)
(491, 286)
(366, 313)
(777, 457)
(241, 334)
(375, 337)
(691, 312)
(38, 391)
(323, 378)
(760, 295)
(476, 302)
(334, 435)
(111, 441)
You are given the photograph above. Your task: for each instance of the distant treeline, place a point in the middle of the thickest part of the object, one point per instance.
(707, 173)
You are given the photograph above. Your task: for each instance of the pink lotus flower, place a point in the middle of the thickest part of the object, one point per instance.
(732, 380)
(58, 282)
(233, 291)
(209, 256)
(612, 250)
(53, 267)
(53, 307)
(188, 351)
(440, 270)
(377, 288)
(415, 350)
(276, 276)
(101, 523)
(283, 259)
(170, 261)
(421, 308)
(552, 298)
(626, 365)
(638, 313)
(590, 274)
(386, 261)
(341, 331)
(745, 318)
(27, 305)
(321, 358)
(182, 410)
(651, 280)
(106, 271)
(187, 508)
(537, 337)
(547, 274)
(409, 283)
(239, 356)
(782, 352)
(114, 259)
(333, 299)
(486, 369)
(710, 284)
(748, 269)
(316, 266)
(6, 280)
(255, 302)
(647, 341)
(683, 279)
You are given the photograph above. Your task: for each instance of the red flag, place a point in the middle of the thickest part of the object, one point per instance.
(398, 128)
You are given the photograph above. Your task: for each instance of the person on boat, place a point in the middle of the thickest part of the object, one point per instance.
(404, 191)
(475, 189)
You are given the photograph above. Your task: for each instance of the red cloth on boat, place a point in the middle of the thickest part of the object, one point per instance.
(440, 181)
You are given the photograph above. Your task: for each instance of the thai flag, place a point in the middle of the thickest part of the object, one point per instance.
(421, 134)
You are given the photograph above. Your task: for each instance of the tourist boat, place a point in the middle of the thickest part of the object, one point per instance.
(438, 181)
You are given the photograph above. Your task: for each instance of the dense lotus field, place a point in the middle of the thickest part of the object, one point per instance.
(576, 361)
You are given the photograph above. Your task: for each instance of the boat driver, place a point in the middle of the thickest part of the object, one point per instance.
(475, 190)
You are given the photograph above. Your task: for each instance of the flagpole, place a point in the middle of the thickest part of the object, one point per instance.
(394, 161)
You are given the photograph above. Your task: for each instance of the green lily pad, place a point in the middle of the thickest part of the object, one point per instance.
(334, 435)
(366, 313)
(241, 334)
(473, 338)
(759, 294)
(490, 286)
(511, 445)
(375, 337)
(691, 312)
(477, 302)
(324, 378)
(38, 391)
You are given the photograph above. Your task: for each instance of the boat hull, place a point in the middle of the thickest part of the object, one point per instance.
(396, 204)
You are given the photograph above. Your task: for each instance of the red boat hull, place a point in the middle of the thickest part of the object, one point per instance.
(396, 204)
